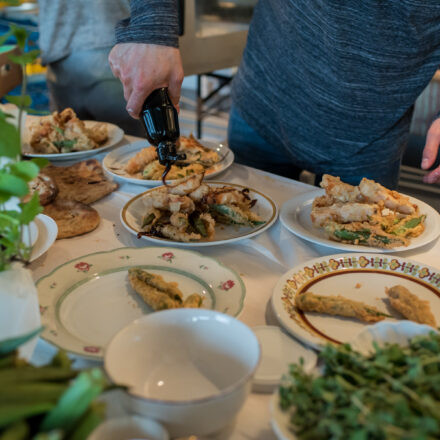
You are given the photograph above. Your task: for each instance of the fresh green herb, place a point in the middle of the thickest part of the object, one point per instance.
(58, 129)
(66, 144)
(344, 234)
(391, 394)
(414, 222)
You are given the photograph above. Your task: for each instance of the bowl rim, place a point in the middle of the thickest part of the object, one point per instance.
(212, 397)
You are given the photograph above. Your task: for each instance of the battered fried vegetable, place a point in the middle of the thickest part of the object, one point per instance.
(155, 298)
(338, 305)
(363, 233)
(158, 293)
(410, 306)
(230, 214)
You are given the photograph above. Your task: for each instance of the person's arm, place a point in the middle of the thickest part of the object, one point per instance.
(430, 152)
(146, 54)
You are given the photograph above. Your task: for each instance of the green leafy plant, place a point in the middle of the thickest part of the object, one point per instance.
(50, 402)
(14, 172)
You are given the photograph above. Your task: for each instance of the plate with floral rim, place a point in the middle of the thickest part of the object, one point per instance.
(134, 210)
(85, 301)
(359, 277)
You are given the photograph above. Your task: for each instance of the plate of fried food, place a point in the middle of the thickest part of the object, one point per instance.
(135, 163)
(330, 299)
(86, 301)
(63, 136)
(352, 218)
(190, 212)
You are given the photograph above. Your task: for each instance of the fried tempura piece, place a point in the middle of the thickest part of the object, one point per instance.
(374, 192)
(185, 186)
(410, 306)
(158, 293)
(343, 213)
(338, 305)
(340, 191)
(142, 158)
(155, 298)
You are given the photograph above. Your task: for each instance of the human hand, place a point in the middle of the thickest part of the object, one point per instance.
(143, 68)
(430, 152)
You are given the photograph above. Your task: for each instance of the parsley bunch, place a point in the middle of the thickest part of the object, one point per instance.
(392, 394)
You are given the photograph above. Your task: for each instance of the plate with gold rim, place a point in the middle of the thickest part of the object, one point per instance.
(359, 277)
(133, 212)
(85, 301)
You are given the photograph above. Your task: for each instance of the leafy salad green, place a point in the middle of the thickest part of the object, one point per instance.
(393, 393)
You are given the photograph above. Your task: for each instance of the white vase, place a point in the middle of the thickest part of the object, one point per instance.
(19, 308)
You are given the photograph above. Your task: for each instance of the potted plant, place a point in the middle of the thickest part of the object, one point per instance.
(19, 310)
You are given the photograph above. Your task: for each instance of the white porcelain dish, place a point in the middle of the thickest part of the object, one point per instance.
(115, 135)
(295, 216)
(129, 427)
(30, 234)
(381, 333)
(115, 161)
(85, 301)
(278, 350)
(361, 277)
(133, 212)
(190, 369)
(47, 234)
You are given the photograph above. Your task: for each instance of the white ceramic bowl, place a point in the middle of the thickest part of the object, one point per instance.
(129, 427)
(190, 369)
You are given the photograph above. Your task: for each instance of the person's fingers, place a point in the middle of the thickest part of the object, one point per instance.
(431, 149)
(174, 87)
(433, 176)
(127, 92)
(137, 98)
(431, 145)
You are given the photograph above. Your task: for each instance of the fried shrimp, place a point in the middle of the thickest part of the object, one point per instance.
(338, 305)
(410, 306)
(368, 214)
(185, 210)
(343, 213)
(340, 191)
(140, 160)
(374, 192)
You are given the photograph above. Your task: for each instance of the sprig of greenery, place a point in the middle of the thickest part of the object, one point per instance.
(391, 394)
(15, 173)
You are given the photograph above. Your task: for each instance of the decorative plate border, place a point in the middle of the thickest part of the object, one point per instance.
(303, 276)
(49, 305)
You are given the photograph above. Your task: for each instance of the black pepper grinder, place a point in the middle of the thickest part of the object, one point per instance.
(161, 124)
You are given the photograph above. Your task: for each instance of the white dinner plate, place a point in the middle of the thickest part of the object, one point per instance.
(115, 161)
(295, 216)
(47, 234)
(86, 301)
(360, 277)
(115, 135)
(134, 210)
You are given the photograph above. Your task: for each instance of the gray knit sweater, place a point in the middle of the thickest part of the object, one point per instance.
(329, 81)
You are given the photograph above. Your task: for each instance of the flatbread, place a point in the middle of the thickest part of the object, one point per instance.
(72, 218)
(83, 182)
(46, 188)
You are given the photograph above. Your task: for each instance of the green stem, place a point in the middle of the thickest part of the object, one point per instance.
(23, 92)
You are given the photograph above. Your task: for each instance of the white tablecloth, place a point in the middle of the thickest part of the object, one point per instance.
(260, 261)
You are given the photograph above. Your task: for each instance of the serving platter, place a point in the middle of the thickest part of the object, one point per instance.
(115, 161)
(361, 277)
(85, 301)
(134, 210)
(115, 135)
(295, 216)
